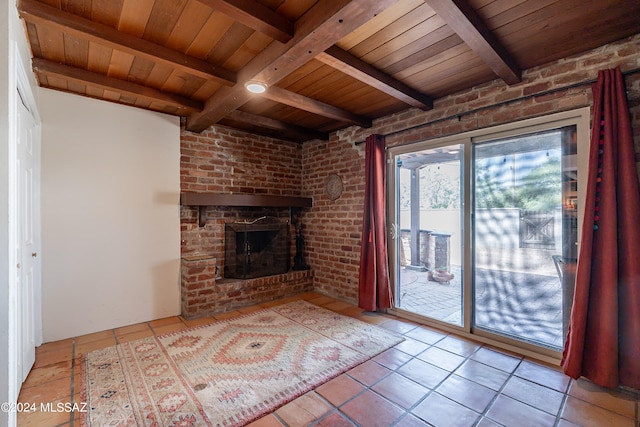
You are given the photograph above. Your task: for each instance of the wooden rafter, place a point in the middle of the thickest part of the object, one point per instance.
(89, 78)
(464, 20)
(318, 29)
(366, 73)
(255, 15)
(255, 121)
(42, 14)
(301, 102)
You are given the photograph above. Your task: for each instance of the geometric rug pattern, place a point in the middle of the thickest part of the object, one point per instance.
(227, 373)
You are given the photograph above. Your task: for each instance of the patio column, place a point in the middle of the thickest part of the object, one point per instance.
(415, 221)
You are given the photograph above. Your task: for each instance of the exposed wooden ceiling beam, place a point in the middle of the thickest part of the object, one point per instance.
(342, 60)
(318, 29)
(254, 121)
(255, 15)
(89, 78)
(464, 20)
(42, 14)
(311, 105)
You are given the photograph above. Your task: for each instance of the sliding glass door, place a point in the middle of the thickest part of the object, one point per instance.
(486, 231)
(524, 235)
(430, 233)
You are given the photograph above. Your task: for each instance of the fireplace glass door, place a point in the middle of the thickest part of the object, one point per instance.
(256, 249)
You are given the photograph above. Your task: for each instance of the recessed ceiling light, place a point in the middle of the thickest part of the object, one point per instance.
(255, 86)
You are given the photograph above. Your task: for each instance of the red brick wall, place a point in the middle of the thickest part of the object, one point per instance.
(334, 227)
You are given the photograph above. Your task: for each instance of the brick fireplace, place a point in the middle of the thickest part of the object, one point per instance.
(238, 166)
(234, 256)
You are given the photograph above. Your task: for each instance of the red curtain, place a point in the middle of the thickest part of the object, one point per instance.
(603, 342)
(374, 289)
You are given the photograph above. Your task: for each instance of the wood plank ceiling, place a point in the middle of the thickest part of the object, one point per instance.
(327, 64)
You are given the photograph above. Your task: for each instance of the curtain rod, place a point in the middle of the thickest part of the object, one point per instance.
(499, 104)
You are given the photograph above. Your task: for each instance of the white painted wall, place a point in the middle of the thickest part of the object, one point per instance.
(4, 214)
(110, 215)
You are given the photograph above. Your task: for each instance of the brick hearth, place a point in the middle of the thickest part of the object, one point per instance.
(204, 295)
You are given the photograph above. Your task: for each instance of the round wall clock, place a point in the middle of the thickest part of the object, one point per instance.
(333, 186)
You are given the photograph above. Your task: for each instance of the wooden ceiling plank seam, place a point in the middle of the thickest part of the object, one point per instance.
(99, 58)
(206, 91)
(210, 34)
(134, 16)
(552, 16)
(311, 105)
(355, 67)
(59, 83)
(395, 29)
(158, 75)
(433, 50)
(524, 34)
(76, 87)
(191, 86)
(475, 76)
(51, 43)
(120, 65)
(269, 123)
(524, 11)
(106, 11)
(365, 98)
(464, 20)
(257, 16)
(47, 16)
(181, 84)
(112, 84)
(435, 60)
(322, 26)
(298, 79)
(77, 7)
(140, 71)
(142, 103)
(163, 19)
(398, 44)
(95, 92)
(383, 19)
(34, 41)
(257, 42)
(347, 85)
(229, 43)
(76, 51)
(449, 72)
(188, 26)
(445, 68)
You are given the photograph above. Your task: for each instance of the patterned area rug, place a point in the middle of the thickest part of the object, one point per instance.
(227, 373)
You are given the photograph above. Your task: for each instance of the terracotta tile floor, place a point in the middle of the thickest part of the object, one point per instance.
(432, 378)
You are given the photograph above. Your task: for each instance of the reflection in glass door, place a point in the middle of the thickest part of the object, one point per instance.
(429, 239)
(524, 235)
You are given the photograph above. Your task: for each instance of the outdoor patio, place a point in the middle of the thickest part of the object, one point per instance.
(508, 302)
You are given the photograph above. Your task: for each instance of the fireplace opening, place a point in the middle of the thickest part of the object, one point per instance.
(256, 248)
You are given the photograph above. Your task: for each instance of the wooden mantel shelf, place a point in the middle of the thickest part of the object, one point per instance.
(251, 200)
(256, 200)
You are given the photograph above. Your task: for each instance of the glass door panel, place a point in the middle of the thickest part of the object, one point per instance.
(524, 234)
(429, 235)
